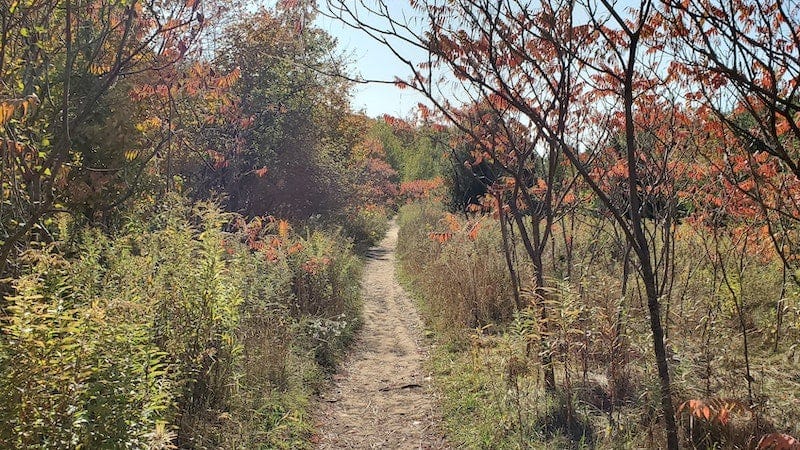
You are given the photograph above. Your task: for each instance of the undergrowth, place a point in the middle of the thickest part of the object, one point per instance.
(487, 361)
(174, 333)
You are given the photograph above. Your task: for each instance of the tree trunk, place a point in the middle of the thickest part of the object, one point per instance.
(512, 272)
(642, 250)
(536, 259)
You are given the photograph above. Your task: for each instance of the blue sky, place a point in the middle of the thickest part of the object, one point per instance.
(372, 60)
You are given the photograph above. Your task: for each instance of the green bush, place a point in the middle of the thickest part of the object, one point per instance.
(366, 227)
(174, 333)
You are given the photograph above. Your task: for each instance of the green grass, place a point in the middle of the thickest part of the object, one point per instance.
(178, 333)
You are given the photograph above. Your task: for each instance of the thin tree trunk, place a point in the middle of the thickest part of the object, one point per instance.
(507, 254)
(535, 257)
(642, 250)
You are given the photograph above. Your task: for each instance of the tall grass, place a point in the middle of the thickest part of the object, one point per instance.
(173, 333)
(459, 266)
(598, 333)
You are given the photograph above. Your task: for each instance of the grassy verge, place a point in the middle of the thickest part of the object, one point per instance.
(190, 327)
(486, 357)
(490, 396)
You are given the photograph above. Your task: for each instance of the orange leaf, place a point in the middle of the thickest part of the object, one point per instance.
(440, 237)
(283, 229)
(722, 417)
(473, 233)
(452, 222)
(6, 111)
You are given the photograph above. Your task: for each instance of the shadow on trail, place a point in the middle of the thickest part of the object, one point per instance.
(377, 253)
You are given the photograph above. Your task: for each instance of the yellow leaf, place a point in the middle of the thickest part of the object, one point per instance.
(96, 69)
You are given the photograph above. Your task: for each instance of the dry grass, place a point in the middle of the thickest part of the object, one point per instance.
(600, 341)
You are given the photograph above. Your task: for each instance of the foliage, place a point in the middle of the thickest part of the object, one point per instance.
(138, 101)
(597, 330)
(60, 64)
(292, 147)
(421, 189)
(139, 308)
(463, 290)
(174, 332)
(628, 176)
(610, 103)
(415, 150)
(490, 398)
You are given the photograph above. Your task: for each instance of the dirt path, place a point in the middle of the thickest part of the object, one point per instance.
(382, 397)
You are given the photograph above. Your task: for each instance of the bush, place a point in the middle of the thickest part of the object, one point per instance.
(175, 333)
(75, 372)
(366, 227)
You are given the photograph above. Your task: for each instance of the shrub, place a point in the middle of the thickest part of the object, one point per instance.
(176, 333)
(366, 227)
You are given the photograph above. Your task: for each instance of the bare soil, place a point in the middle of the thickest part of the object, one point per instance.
(382, 396)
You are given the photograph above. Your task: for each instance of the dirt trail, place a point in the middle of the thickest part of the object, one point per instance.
(382, 397)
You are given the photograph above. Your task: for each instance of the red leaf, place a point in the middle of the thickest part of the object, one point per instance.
(778, 441)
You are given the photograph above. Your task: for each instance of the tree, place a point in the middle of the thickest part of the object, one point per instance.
(287, 160)
(414, 149)
(739, 64)
(59, 60)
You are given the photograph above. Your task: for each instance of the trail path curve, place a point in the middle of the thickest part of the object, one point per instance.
(382, 397)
